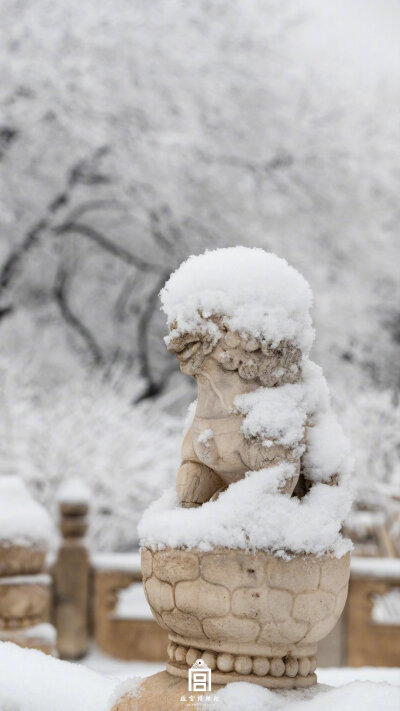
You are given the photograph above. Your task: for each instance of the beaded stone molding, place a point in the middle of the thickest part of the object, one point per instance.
(296, 671)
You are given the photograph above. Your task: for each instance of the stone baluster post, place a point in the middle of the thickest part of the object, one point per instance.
(72, 572)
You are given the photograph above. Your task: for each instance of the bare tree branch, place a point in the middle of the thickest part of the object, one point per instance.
(98, 238)
(160, 234)
(120, 308)
(11, 265)
(61, 287)
(5, 311)
(88, 206)
(254, 166)
(78, 173)
(8, 134)
(86, 172)
(165, 232)
(153, 387)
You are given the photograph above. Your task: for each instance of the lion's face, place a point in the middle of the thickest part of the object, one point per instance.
(252, 359)
(191, 349)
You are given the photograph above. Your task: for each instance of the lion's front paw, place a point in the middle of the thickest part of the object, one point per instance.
(196, 483)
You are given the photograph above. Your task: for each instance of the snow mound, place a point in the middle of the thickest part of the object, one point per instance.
(375, 568)
(279, 415)
(30, 680)
(251, 515)
(23, 522)
(364, 695)
(35, 579)
(328, 450)
(275, 415)
(255, 292)
(123, 562)
(43, 630)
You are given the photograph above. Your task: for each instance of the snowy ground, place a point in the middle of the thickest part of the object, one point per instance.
(102, 663)
(32, 681)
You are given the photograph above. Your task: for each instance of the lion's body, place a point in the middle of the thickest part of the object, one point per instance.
(215, 452)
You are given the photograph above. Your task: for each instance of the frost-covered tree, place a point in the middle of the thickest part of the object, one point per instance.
(133, 134)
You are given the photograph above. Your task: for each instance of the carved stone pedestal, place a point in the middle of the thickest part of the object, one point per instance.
(249, 616)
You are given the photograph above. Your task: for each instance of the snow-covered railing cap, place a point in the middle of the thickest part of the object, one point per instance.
(23, 521)
(73, 491)
(250, 291)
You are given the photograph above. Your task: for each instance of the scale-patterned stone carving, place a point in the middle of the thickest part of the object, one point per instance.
(250, 616)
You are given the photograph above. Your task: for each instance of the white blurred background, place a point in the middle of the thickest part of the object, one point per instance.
(136, 132)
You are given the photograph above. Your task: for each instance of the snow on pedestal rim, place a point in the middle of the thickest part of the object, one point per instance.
(254, 291)
(23, 521)
(249, 515)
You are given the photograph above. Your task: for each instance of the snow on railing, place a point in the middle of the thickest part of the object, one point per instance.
(386, 608)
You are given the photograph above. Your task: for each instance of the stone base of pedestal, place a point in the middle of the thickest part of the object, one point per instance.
(162, 692)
